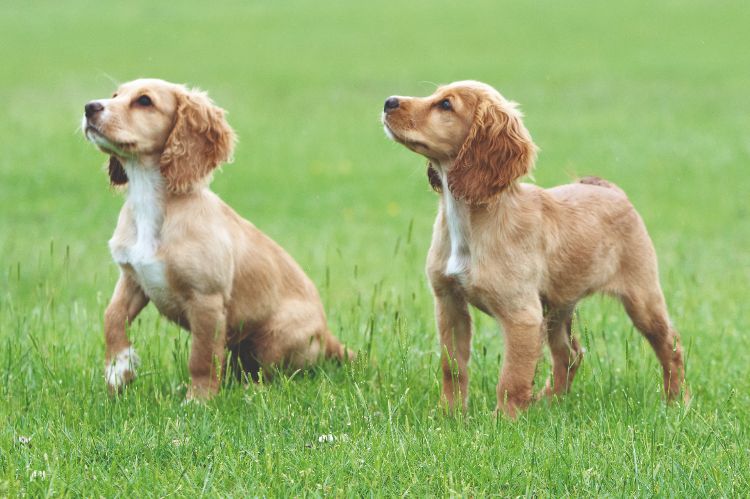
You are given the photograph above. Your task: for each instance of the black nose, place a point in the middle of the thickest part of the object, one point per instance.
(92, 108)
(390, 103)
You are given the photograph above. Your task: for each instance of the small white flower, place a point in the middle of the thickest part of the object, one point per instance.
(326, 438)
(24, 440)
(333, 438)
(38, 475)
(177, 442)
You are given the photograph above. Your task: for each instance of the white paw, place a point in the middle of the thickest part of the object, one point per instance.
(121, 369)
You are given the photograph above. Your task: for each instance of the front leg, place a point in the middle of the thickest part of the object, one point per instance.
(206, 316)
(121, 360)
(523, 347)
(454, 326)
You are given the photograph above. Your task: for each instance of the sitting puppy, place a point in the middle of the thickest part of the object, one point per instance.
(179, 246)
(522, 254)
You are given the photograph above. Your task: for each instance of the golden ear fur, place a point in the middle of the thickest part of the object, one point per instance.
(200, 141)
(497, 151)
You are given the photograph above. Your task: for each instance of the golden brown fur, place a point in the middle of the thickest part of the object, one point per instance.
(522, 254)
(179, 246)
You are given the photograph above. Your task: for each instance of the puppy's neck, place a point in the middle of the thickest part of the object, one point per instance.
(146, 196)
(458, 218)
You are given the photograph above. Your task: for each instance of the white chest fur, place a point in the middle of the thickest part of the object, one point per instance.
(457, 219)
(137, 243)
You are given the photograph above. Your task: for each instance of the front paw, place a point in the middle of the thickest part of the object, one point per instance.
(197, 393)
(509, 410)
(511, 406)
(121, 370)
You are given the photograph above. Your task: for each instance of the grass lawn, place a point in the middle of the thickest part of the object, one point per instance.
(650, 95)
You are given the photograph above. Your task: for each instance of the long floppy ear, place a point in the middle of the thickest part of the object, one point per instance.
(434, 178)
(200, 141)
(497, 151)
(117, 175)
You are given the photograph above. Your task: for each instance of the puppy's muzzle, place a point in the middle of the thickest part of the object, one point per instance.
(92, 109)
(390, 104)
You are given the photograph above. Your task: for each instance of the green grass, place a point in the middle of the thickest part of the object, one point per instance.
(651, 95)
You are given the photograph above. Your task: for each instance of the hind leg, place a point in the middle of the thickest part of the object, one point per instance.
(648, 312)
(567, 354)
(298, 337)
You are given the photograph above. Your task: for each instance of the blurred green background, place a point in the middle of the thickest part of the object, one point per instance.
(650, 95)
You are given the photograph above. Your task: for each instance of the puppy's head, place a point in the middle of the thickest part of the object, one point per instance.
(154, 123)
(472, 136)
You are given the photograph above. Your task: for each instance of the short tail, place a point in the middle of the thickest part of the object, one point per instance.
(335, 350)
(592, 180)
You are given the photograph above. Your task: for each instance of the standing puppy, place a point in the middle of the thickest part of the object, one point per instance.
(522, 254)
(179, 246)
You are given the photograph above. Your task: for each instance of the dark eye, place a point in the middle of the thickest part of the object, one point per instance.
(144, 100)
(445, 105)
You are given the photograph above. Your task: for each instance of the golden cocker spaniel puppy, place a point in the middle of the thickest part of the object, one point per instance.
(522, 254)
(179, 246)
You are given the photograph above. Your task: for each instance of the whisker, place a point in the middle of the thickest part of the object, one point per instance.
(436, 85)
(111, 78)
